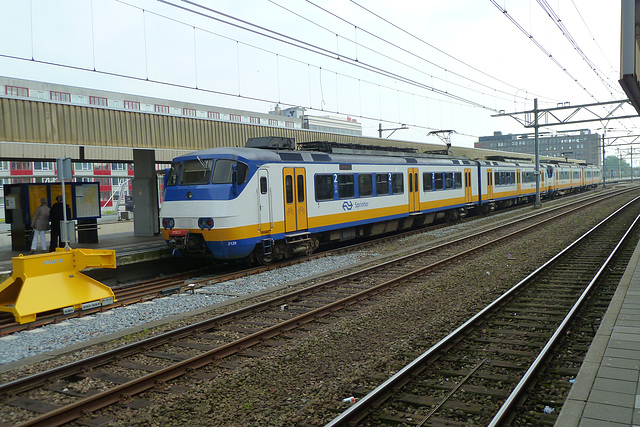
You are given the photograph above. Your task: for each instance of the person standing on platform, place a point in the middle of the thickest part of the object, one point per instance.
(57, 216)
(40, 224)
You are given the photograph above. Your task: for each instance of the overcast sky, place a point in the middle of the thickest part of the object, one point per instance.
(430, 64)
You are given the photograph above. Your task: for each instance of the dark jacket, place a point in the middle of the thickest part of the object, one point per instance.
(56, 215)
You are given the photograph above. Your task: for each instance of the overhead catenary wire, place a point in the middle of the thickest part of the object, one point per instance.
(592, 36)
(565, 32)
(534, 41)
(400, 48)
(438, 90)
(259, 30)
(439, 50)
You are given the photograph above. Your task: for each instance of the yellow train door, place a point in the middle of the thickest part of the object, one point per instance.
(414, 190)
(295, 199)
(468, 196)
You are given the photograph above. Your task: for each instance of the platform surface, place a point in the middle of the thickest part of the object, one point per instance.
(112, 234)
(606, 391)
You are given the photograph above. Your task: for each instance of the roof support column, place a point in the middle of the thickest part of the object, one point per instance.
(145, 194)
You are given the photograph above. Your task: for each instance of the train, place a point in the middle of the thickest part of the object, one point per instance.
(275, 199)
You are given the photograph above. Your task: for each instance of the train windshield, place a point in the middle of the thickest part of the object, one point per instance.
(196, 172)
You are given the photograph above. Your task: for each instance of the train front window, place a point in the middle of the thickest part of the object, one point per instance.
(174, 174)
(195, 172)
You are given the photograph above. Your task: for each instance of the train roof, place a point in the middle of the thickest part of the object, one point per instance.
(261, 155)
(295, 156)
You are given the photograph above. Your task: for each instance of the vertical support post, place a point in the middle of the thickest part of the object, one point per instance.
(537, 203)
(65, 172)
(604, 184)
(145, 194)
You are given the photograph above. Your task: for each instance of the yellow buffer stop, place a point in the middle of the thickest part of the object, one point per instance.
(53, 281)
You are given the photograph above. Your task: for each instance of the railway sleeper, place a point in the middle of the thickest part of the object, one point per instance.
(466, 388)
(33, 405)
(489, 376)
(523, 341)
(415, 400)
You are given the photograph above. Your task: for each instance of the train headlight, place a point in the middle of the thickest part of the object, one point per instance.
(168, 223)
(205, 223)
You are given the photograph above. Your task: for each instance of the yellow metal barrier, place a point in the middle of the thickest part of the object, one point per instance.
(53, 281)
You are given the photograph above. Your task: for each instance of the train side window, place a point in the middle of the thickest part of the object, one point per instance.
(223, 172)
(324, 187)
(345, 186)
(263, 185)
(174, 174)
(365, 185)
(496, 179)
(300, 187)
(288, 189)
(397, 183)
(196, 171)
(382, 184)
(457, 180)
(438, 181)
(448, 180)
(427, 181)
(241, 170)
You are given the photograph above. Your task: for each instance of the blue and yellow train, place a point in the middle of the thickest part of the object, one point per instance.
(270, 204)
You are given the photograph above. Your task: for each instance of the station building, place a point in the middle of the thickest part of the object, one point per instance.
(575, 144)
(30, 163)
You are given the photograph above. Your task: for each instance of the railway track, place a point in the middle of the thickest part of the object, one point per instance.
(147, 290)
(481, 373)
(122, 373)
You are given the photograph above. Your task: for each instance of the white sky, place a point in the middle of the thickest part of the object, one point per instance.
(467, 49)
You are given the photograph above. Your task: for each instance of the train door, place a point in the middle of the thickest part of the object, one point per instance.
(414, 190)
(467, 186)
(264, 200)
(518, 182)
(489, 184)
(295, 199)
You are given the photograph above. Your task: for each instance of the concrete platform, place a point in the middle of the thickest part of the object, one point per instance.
(112, 234)
(606, 391)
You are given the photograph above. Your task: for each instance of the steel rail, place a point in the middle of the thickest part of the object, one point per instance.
(76, 410)
(26, 383)
(144, 383)
(359, 410)
(517, 392)
(131, 294)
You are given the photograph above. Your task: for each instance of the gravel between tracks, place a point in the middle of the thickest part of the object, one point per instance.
(296, 382)
(77, 330)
